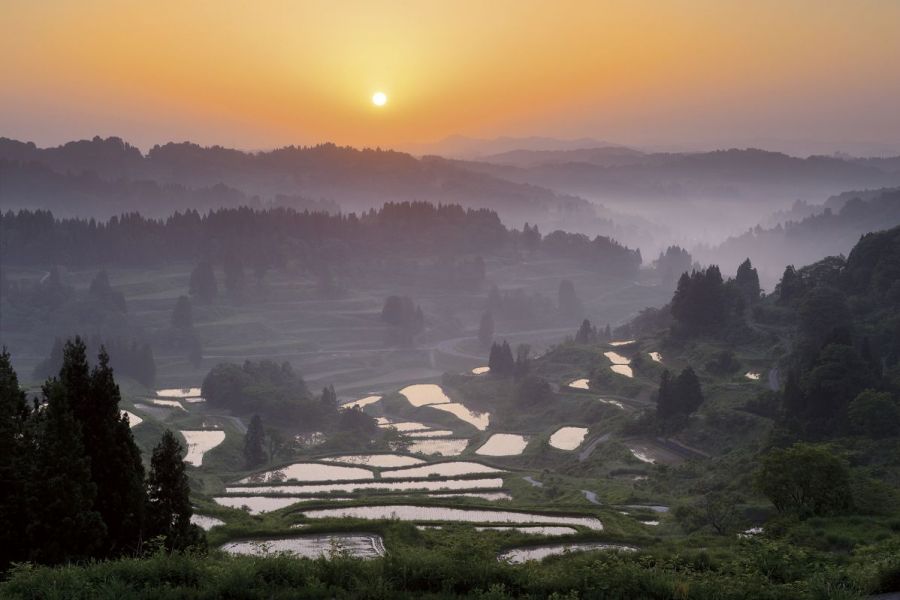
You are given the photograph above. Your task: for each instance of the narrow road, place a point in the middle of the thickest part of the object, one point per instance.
(586, 453)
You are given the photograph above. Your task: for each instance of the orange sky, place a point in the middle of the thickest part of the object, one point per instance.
(267, 73)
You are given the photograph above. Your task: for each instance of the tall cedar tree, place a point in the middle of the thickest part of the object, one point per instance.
(203, 284)
(168, 503)
(587, 334)
(486, 329)
(62, 524)
(13, 455)
(116, 466)
(254, 443)
(747, 282)
(501, 361)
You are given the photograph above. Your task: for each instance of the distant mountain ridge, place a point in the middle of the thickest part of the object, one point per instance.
(355, 179)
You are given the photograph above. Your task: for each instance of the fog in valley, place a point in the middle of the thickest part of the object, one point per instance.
(532, 338)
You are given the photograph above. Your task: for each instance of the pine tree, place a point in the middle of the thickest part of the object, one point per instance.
(747, 282)
(486, 329)
(203, 284)
(586, 333)
(168, 498)
(665, 401)
(14, 456)
(790, 286)
(329, 397)
(688, 392)
(254, 443)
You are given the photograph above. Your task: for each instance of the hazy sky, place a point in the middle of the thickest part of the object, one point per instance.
(266, 73)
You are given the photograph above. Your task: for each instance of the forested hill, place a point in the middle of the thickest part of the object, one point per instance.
(264, 238)
(833, 231)
(98, 177)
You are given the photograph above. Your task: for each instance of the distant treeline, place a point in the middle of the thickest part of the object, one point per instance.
(273, 237)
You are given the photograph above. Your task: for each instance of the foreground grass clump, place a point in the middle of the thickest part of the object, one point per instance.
(465, 570)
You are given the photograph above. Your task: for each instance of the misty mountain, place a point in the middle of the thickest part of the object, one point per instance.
(459, 146)
(607, 156)
(355, 179)
(833, 231)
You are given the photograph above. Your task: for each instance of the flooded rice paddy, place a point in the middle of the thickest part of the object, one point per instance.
(423, 394)
(357, 545)
(752, 375)
(199, 443)
(426, 485)
(580, 384)
(376, 460)
(404, 512)
(503, 444)
(404, 426)
(642, 454)
(258, 504)
(168, 403)
(479, 421)
(192, 392)
(133, 419)
(480, 370)
(621, 343)
(430, 433)
(532, 529)
(656, 357)
(492, 496)
(362, 402)
(620, 364)
(206, 522)
(438, 446)
(622, 370)
(568, 438)
(521, 555)
(444, 469)
(307, 471)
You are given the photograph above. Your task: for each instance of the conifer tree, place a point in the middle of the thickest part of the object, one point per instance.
(486, 329)
(168, 498)
(254, 443)
(586, 333)
(13, 458)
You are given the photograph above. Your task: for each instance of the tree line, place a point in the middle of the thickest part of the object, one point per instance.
(73, 483)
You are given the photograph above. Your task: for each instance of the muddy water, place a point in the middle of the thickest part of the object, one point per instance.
(503, 444)
(444, 469)
(312, 546)
(580, 384)
(441, 447)
(521, 555)
(376, 460)
(479, 421)
(422, 394)
(310, 472)
(427, 485)
(405, 512)
(199, 443)
(568, 438)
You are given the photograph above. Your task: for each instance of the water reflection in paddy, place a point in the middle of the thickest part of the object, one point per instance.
(310, 472)
(178, 392)
(532, 529)
(404, 425)
(422, 394)
(492, 496)
(430, 433)
(199, 443)
(405, 512)
(622, 370)
(442, 447)
(258, 504)
(312, 546)
(656, 357)
(168, 403)
(521, 555)
(427, 485)
(503, 444)
(621, 343)
(376, 460)
(568, 438)
(580, 384)
(480, 370)
(362, 402)
(752, 375)
(444, 469)
(617, 359)
(133, 419)
(206, 522)
(479, 421)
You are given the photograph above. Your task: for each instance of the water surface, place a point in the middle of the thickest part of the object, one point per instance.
(178, 392)
(580, 384)
(503, 444)
(439, 446)
(376, 460)
(525, 554)
(306, 471)
(362, 402)
(480, 370)
(479, 421)
(422, 394)
(444, 469)
(312, 546)
(427, 485)
(568, 438)
(199, 443)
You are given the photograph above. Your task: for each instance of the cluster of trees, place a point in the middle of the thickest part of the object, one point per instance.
(589, 334)
(843, 376)
(103, 293)
(519, 307)
(73, 484)
(609, 258)
(203, 285)
(503, 364)
(677, 398)
(404, 318)
(672, 263)
(131, 358)
(704, 303)
(273, 391)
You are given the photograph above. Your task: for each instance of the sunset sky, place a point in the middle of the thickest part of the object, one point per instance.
(262, 74)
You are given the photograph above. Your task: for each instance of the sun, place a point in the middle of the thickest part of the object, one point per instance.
(379, 99)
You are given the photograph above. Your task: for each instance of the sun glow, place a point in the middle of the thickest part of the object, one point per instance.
(379, 99)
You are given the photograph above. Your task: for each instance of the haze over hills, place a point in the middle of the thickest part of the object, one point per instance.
(460, 146)
(353, 179)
